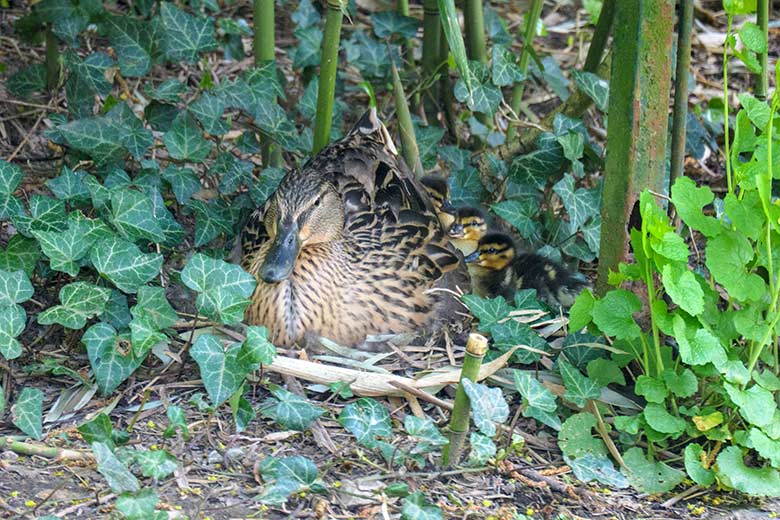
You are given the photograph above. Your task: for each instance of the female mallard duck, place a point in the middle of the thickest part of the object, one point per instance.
(347, 246)
(500, 271)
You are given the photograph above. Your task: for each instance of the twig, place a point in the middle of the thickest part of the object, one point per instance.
(422, 395)
(26, 138)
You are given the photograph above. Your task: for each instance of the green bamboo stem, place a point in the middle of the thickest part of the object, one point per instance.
(476, 348)
(52, 60)
(525, 55)
(264, 47)
(475, 31)
(430, 51)
(327, 79)
(41, 450)
(445, 88)
(409, 149)
(762, 17)
(680, 112)
(600, 36)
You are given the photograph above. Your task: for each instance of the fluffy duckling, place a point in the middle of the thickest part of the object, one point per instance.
(469, 227)
(439, 193)
(498, 270)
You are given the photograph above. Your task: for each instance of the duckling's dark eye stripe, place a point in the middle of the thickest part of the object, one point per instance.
(498, 249)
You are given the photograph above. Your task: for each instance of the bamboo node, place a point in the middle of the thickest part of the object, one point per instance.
(477, 345)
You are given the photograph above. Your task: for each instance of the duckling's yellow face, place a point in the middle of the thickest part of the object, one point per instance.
(494, 256)
(299, 216)
(439, 193)
(468, 227)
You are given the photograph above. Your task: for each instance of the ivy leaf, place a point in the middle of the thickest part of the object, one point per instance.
(428, 139)
(153, 307)
(13, 319)
(224, 289)
(505, 69)
(540, 402)
(581, 204)
(482, 449)
(732, 471)
(124, 264)
(140, 506)
(222, 370)
(69, 185)
(285, 476)
(488, 406)
(156, 464)
(483, 97)
(184, 182)
(307, 52)
(208, 108)
(65, 249)
(27, 412)
(15, 287)
(133, 214)
(705, 477)
(689, 201)
(596, 88)
(416, 507)
(111, 356)
(86, 79)
(261, 189)
(211, 219)
(596, 467)
(116, 474)
(97, 137)
(613, 314)
(183, 35)
(178, 421)
(233, 172)
(10, 178)
(648, 476)
(272, 120)
(305, 14)
(579, 389)
(367, 420)
(27, 80)
(520, 213)
(488, 311)
(132, 40)
(534, 168)
(80, 301)
(169, 90)
(289, 410)
(256, 347)
(466, 188)
(388, 23)
(185, 140)
(727, 258)
(425, 434)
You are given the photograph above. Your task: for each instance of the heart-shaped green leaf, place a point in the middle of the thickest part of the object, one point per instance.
(224, 289)
(124, 264)
(27, 411)
(79, 301)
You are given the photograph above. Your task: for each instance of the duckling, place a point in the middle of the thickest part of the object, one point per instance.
(347, 246)
(439, 193)
(469, 226)
(500, 271)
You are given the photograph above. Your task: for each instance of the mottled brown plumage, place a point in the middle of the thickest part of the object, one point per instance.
(347, 246)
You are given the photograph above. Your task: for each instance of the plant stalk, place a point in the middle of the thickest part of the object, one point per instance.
(525, 55)
(409, 149)
(264, 47)
(476, 348)
(600, 36)
(726, 144)
(430, 53)
(327, 79)
(680, 112)
(52, 60)
(445, 88)
(475, 31)
(762, 17)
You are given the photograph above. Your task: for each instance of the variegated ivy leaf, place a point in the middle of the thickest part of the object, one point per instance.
(521, 213)
(124, 264)
(183, 35)
(222, 370)
(224, 289)
(12, 322)
(257, 347)
(367, 420)
(488, 406)
(79, 301)
(290, 411)
(20, 253)
(426, 435)
(185, 140)
(505, 69)
(69, 185)
(388, 23)
(184, 182)
(115, 472)
(86, 79)
(111, 356)
(27, 80)
(10, 178)
(46, 214)
(151, 314)
(540, 402)
(416, 507)
(596, 88)
(133, 214)
(285, 476)
(65, 249)
(270, 118)
(132, 39)
(208, 108)
(15, 287)
(579, 388)
(26, 413)
(140, 506)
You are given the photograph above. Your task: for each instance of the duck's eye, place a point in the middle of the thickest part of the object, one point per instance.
(317, 202)
(491, 250)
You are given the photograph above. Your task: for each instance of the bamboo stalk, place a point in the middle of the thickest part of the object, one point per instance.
(475, 31)
(409, 149)
(430, 53)
(600, 36)
(52, 60)
(264, 47)
(476, 347)
(762, 17)
(408, 47)
(445, 89)
(327, 79)
(525, 55)
(680, 112)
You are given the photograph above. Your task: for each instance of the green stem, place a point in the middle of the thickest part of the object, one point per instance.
(762, 17)
(525, 55)
(430, 52)
(445, 88)
(264, 47)
(600, 36)
(52, 60)
(409, 148)
(476, 347)
(650, 284)
(727, 145)
(475, 31)
(680, 112)
(327, 80)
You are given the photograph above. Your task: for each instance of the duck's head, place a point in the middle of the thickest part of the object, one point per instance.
(305, 210)
(495, 252)
(470, 224)
(439, 192)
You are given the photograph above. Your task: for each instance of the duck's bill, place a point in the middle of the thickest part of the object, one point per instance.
(457, 231)
(447, 207)
(473, 257)
(280, 259)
